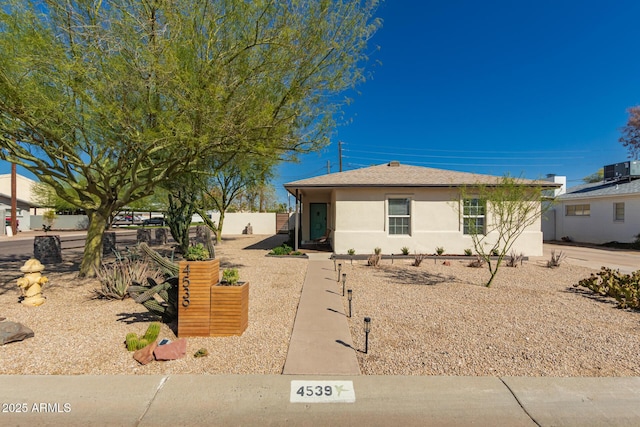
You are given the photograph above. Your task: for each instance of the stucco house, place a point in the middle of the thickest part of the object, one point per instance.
(599, 212)
(24, 199)
(393, 206)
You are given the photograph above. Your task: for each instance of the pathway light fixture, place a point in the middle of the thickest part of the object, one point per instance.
(344, 279)
(349, 297)
(367, 329)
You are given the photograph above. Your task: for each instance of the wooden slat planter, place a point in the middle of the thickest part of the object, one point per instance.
(196, 278)
(229, 310)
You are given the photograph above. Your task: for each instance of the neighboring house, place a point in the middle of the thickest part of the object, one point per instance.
(600, 212)
(24, 198)
(392, 206)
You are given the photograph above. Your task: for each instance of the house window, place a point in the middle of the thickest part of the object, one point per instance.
(399, 216)
(618, 211)
(473, 216)
(578, 210)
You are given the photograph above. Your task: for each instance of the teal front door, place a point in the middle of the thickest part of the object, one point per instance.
(317, 220)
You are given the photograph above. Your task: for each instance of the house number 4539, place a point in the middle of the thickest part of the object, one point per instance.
(185, 285)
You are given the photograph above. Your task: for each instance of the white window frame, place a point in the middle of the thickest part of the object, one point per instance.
(479, 214)
(618, 215)
(583, 209)
(409, 200)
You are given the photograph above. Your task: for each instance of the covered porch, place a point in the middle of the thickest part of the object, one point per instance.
(314, 218)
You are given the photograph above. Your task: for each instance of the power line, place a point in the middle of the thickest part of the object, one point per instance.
(462, 157)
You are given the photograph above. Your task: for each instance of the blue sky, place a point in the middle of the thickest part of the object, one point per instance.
(521, 87)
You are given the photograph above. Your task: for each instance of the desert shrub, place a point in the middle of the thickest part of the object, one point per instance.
(417, 259)
(556, 259)
(439, 250)
(115, 278)
(468, 252)
(351, 252)
(625, 288)
(515, 259)
(405, 250)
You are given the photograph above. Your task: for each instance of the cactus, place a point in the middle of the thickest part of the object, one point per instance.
(142, 343)
(167, 309)
(152, 332)
(132, 341)
(168, 268)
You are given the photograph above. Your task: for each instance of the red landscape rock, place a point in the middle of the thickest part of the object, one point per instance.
(174, 350)
(447, 263)
(145, 355)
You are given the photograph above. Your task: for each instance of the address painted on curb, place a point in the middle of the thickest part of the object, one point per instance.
(325, 391)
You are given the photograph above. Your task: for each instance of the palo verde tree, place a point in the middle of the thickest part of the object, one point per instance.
(105, 101)
(496, 215)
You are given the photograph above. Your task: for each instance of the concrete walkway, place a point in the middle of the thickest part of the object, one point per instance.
(321, 341)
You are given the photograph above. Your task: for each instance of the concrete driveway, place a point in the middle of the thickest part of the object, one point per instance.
(624, 260)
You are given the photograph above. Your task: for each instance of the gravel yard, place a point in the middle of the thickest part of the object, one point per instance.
(427, 320)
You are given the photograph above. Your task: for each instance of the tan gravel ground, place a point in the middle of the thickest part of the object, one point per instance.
(427, 320)
(441, 320)
(75, 334)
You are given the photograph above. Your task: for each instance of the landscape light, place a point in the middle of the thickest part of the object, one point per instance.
(367, 329)
(339, 270)
(344, 279)
(349, 297)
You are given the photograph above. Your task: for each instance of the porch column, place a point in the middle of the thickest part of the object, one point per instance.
(297, 223)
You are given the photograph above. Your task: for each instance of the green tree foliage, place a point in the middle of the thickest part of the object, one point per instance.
(594, 177)
(510, 207)
(630, 138)
(105, 101)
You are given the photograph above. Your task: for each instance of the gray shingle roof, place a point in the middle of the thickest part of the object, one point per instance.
(602, 189)
(401, 175)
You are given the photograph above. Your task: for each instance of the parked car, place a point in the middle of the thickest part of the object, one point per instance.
(156, 220)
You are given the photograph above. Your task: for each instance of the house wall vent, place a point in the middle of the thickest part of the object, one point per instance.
(394, 163)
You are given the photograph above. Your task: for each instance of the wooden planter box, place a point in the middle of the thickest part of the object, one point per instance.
(229, 310)
(196, 278)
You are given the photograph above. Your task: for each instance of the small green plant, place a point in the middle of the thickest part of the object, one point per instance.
(351, 252)
(134, 342)
(230, 276)
(196, 253)
(439, 250)
(494, 252)
(201, 353)
(468, 252)
(405, 250)
(281, 250)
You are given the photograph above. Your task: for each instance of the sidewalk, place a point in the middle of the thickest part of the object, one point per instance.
(321, 342)
(211, 400)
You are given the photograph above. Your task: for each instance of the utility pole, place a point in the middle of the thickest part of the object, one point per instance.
(14, 200)
(340, 154)
(328, 166)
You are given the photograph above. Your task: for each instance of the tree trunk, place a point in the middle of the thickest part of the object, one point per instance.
(219, 227)
(92, 256)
